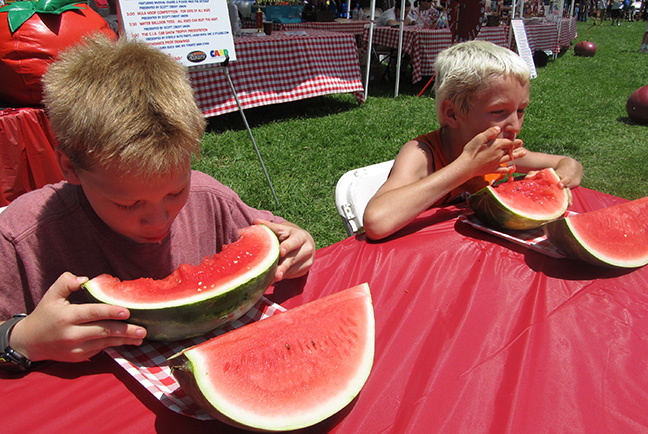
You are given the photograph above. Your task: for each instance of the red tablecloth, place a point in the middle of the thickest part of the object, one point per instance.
(473, 335)
(280, 68)
(27, 158)
(423, 45)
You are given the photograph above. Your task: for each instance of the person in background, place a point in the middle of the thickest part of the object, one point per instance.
(391, 17)
(425, 15)
(481, 93)
(131, 206)
(616, 12)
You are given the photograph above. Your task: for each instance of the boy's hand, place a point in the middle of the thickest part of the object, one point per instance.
(297, 249)
(59, 330)
(490, 154)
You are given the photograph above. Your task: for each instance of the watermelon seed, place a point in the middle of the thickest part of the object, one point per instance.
(288, 346)
(313, 342)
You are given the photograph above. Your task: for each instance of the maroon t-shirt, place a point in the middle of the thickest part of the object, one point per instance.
(51, 230)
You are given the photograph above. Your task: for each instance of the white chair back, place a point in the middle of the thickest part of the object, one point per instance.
(353, 191)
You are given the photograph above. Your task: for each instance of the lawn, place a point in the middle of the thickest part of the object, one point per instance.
(577, 108)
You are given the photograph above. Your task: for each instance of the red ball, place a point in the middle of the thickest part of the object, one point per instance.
(637, 105)
(585, 48)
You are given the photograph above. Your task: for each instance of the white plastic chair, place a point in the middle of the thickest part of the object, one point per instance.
(353, 191)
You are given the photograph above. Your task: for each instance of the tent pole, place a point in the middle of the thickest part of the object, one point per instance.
(369, 48)
(400, 46)
(229, 80)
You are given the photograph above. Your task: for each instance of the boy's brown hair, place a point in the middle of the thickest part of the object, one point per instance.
(122, 105)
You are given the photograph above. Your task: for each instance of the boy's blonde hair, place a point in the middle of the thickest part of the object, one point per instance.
(122, 105)
(466, 69)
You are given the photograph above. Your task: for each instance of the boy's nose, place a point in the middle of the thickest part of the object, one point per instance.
(155, 217)
(513, 126)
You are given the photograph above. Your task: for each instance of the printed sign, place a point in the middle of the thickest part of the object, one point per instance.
(193, 32)
(522, 44)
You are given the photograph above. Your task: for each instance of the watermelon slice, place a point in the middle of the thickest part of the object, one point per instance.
(286, 372)
(196, 299)
(616, 236)
(522, 204)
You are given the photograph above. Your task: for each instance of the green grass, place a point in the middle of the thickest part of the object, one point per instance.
(577, 108)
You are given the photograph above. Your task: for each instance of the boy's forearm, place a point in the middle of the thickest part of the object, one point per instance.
(570, 171)
(390, 211)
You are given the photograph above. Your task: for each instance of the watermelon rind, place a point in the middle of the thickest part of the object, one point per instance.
(306, 365)
(489, 207)
(627, 229)
(207, 310)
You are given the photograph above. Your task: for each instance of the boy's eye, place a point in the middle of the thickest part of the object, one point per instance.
(127, 207)
(178, 194)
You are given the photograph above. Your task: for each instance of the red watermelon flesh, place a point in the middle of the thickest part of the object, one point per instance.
(220, 270)
(196, 299)
(288, 371)
(522, 204)
(533, 194)
(614, 236)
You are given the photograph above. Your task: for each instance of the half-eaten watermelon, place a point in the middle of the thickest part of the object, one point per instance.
(195, 299)
(522, 204)
(615, 236)
(288, 371)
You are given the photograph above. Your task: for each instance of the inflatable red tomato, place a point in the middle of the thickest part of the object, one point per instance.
(637, 105)
(585, 48)
(31, 35)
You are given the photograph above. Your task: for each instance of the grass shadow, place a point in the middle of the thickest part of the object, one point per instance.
(310, 108)
(626, 120)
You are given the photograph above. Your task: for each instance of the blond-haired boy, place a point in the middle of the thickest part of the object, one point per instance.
(482, 91)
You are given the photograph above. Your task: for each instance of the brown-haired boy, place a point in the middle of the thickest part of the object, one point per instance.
(128, 126)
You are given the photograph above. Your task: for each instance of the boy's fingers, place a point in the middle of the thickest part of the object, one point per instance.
(65, 285)
(93, 312)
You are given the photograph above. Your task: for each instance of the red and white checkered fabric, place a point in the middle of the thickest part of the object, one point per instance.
(568, 31)
(544, 35)
(533, 239)
(348, 26)
(148, 362)
(280, 68)
(423, 45)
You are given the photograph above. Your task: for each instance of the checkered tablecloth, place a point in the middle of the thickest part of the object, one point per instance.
(568, 31)
(148, 362)
(544, 35)
(533, 239)
(346, 26)
(282, 67)
(423, 45)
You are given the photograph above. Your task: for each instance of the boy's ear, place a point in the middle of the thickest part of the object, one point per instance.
(67, 167)
(449, 113)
